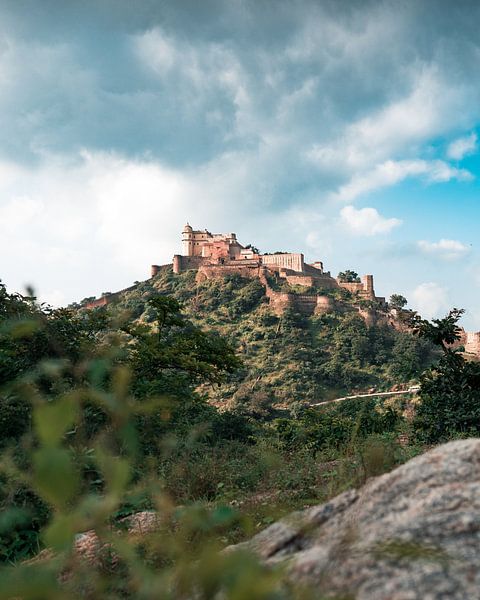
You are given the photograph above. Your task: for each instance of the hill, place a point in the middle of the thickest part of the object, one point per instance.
(286, 358)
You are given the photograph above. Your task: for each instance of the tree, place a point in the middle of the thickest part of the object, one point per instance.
(176, 356)
(31, 336)
(348, 276)
(441, 332)
(450, 390)
(397, 301)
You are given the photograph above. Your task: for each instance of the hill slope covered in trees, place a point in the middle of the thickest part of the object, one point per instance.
(289, 358)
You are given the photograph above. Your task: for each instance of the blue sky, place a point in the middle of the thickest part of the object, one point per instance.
(345, 130)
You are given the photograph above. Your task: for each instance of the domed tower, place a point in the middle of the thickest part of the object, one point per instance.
(187, 241)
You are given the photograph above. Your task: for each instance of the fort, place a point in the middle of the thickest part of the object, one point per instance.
(308, 289)
(218, 254)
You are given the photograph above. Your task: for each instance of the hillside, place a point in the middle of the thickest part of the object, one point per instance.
(289, 358)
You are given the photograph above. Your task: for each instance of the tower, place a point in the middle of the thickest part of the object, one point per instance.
(187, 241)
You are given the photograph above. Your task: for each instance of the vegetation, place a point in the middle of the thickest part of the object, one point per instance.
(450, 389)
(348, 276)
(192, 401)
(286, 359)
(397, 301)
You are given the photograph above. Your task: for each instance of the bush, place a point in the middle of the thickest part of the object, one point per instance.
(450, 400)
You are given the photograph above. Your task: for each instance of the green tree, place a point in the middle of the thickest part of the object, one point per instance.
(441, 332)
(176, 355)
(397, 301)
(410, 356)
(348, 276)
(450, 390)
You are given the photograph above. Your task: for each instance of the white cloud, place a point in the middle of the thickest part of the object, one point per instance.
(430, 300)
(392, 172)
(444, 249)
(199, 74)
(65, 222)
(367, 221)
(55, 298)
(368, 153)
(397, 127)
(70, 221)
(462, 147)
(156, 50)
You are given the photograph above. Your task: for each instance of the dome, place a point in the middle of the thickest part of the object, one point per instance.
(187, 229)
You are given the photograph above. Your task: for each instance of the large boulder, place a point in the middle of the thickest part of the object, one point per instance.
(411, 534)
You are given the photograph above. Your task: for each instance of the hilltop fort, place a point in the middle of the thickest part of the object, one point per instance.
(218, 254)
(290, 282)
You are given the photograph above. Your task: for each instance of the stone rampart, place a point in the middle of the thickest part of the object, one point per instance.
(295, 262)
(363, 288)
(307, 304)
(324, 305)
(318, 281)
(184, 263)
(108, 298)
(102, 301)
(249, 269)
(300, 280)
(472, 343)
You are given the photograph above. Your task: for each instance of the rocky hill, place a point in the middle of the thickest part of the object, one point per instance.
(288, 357)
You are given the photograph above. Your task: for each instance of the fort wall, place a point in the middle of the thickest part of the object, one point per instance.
(319, 281)
(472, 343)
(249, 269)
(184, 263)
(295, 262)
(109, 298)
(363, 288)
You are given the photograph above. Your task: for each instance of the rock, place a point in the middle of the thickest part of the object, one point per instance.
(88, 547)
(411, 534)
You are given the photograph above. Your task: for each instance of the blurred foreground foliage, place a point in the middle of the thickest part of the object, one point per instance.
(102, 417)
(75, 456)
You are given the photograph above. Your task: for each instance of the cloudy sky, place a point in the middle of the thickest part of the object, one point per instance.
(345, 130)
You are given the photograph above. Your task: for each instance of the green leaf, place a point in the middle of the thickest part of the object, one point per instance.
(23, 328)
(60, 532)
(52, 420)
(55, 475)
(115, 470)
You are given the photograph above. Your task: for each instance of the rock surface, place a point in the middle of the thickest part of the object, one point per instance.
(411, 534)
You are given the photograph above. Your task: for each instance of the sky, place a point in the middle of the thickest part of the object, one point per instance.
(346, 130)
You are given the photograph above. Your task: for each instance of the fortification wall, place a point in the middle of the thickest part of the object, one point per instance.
(314, 269)
(184, 263)
(155, 269)
(351, 287)
(324, 305)
(279, 301)
(206, 272)
(472, 343)
(109, 298)
(102, 301)
(320, 281)
(364, 288)
(307, 304)
(295, 262)
(300, 280)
